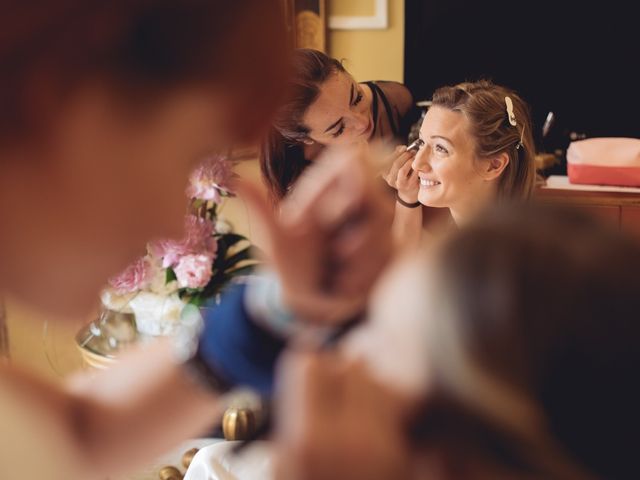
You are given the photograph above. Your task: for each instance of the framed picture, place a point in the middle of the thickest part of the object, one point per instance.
(377, 21)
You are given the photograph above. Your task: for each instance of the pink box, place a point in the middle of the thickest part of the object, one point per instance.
(605, 161)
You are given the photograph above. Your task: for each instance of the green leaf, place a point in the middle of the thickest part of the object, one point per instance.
(170, 276)
(225, 242)
(244, 254)
(230, 239)
(246, 270)
(197, 301)
(213, 210)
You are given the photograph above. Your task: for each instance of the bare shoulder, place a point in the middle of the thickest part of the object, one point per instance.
(398, 94)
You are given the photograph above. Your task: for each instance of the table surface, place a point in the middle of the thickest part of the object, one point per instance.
(562, 182)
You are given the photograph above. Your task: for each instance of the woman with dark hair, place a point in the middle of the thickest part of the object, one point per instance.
(325, 106)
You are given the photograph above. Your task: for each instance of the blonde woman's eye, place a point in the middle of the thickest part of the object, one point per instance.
(339, 132)
(358, 99)
(440, 149)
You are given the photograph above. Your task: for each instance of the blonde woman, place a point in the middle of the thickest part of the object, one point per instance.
(476, 148)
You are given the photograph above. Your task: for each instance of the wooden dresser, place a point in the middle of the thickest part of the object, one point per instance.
(618, 206)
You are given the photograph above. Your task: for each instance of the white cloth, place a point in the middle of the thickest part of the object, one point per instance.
(218, 462)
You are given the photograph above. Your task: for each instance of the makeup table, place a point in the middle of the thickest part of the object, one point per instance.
(619, 206)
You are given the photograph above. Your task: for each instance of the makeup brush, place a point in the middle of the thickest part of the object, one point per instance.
(548, 123)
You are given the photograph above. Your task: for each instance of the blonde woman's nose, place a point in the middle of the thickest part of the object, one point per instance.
(421, 160)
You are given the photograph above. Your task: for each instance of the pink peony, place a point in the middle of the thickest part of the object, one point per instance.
(136, 276)
(199, 235)
(169, 251)
(211, 179)
(194, 271)
(198, 240)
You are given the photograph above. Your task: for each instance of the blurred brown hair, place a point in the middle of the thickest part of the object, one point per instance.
(142, 47)
(282, 154)
(537, 338)
(483, 103)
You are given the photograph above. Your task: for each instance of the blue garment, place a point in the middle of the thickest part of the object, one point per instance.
(234, 346)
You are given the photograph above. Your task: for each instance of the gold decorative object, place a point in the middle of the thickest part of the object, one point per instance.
(306, 23)
(170, 473)
(546, 160)
(310, 30)
(188, 457)
(238, 423)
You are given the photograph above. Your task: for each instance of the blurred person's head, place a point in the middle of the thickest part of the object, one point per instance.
(476, 149)
(325, 105)
(104, 108)
(508, 351)
(532, 345)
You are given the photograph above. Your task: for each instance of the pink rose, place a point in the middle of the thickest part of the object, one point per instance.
(198, 240)
(194, 271)
(211, 179)
(136, 276)
(169, 251)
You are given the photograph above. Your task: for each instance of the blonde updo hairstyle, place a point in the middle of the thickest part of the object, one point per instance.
(483, 104)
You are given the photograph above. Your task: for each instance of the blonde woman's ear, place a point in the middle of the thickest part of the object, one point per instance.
(495, 166)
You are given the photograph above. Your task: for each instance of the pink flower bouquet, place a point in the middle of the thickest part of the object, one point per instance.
(192, 270)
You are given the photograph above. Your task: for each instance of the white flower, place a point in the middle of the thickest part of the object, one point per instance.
(157, 314)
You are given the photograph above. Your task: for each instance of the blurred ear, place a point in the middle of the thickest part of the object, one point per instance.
(494, 166)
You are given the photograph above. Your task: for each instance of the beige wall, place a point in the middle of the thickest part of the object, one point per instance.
(370, 54)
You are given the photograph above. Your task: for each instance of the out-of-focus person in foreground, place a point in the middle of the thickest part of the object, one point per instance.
(525, 322)
(102, 107)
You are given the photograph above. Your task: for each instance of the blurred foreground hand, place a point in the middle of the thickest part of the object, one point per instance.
(332, 236)
(335, 422)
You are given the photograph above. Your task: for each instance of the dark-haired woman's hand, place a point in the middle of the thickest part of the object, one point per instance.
(408, 183)
(401, 176)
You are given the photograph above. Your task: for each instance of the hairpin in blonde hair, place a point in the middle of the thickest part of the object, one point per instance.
(510, 115)
(512, 120)
(520, 143)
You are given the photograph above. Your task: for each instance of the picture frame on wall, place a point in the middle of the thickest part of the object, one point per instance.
(378, 21)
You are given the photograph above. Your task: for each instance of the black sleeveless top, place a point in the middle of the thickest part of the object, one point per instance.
(400, 126)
